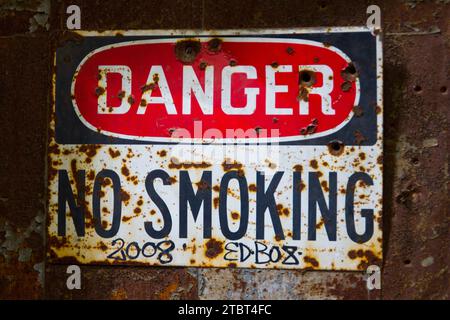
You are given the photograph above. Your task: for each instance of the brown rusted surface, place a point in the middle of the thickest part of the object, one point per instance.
(416, 99)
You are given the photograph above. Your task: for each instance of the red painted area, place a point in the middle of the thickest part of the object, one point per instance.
(157, 123)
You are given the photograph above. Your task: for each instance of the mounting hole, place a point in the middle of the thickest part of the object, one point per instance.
(417, 88)
(407, 262)
(443, 89)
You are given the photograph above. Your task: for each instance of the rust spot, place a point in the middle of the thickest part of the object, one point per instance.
(358, 111)
(290, 51)
(320, 224)
(172, 180)
(359, 137)
(213, 248)
(216, 202)
(232, 265)
(380, 159)
(99, 91)
(187, 50)
(89, 150)
(227, 166)
(202, 185)
(203, 65)
(214, 45)
(121, 94)
(252, 187)
(298, 168)
(143, 103)
(311, 128)
(114, 154)
(130, 99)
(125, 171)
(346, 86)
(54, 149)
(313, 163)
(91, 175)
(233, 63)
(378, 109)
(106, 182)
(167, 292)
(366, 257)
(119, 294)
(235, 215)
(162, 153)
(300, 186)
(271, 165)
(349, 73)
(176, 164)
(303, 94)
(126, 219)
(362, 156)
(216, 188)
(311, 261)
(274, 64)
(125, 195)
(324, 185)
(156, 78)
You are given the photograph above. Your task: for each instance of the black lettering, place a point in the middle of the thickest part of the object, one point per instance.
(159, 202)
(296, 206)
(266, 200)
(223, 213)
(195, 200)
(316, 197)
(117, 207)
(65, 195)
(367, 214)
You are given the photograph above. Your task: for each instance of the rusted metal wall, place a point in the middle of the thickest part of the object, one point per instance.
(416, 79)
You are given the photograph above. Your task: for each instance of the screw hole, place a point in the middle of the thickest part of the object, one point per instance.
(443, 89)
(415, 161)
(417, 88)
(407, 262)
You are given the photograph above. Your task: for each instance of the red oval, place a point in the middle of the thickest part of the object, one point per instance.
(157, 125)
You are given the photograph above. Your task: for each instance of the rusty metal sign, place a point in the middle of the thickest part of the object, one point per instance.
(236, 148)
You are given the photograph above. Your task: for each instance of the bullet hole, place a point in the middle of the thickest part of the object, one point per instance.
(346, 86)
(349, 74)
(215, 45)
(443, 90)
(407, 262)
(417, 88)
(336, 147)
(187, 50)
(307, 78)
(350, 68)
